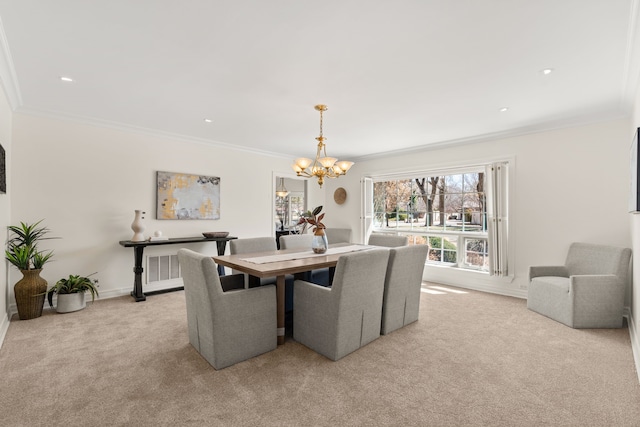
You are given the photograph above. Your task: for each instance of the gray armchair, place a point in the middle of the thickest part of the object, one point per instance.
(587, 291)
(388, 240)
(401, 302)
(227, 323)
(338, 320)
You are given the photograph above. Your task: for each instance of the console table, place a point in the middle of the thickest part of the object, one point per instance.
(138, 248)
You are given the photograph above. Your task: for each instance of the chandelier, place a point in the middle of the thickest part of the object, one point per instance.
(282, 191)
(322, 167)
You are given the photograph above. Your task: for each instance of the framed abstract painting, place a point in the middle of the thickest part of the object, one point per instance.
(186, 196)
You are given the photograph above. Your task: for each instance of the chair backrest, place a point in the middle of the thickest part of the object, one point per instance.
(588, 258)
(252, 244)
(201, 286)
(248, 245)
(296, 241)
(356, 293)
(388, 240)
(401, 302)
(338, 235)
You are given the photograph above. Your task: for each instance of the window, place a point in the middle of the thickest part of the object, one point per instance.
(451, 212)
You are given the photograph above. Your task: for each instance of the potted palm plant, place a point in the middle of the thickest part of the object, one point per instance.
(23, 253)
(71, 293)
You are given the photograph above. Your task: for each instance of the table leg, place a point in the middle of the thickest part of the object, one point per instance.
(280, 308)
(137, 271)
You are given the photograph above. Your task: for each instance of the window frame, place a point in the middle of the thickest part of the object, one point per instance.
(461, 237)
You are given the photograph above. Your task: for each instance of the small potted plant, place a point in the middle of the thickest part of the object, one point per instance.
(71, 293)
(319, 244)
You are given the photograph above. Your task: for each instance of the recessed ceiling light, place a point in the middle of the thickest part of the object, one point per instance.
(503, 109)
(66, 79)
(207, 120)
(547, 71)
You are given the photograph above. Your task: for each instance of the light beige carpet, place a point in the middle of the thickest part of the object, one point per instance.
(473, 359)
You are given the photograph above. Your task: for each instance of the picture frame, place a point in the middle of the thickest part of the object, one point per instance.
(3, 171)
(634, 187)
(185, 196)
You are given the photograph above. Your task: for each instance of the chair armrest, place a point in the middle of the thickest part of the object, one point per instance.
(231, 282)
(548, 270)
(311, 299)
(597, 300)
(247, 303)
(311, 290)
(601, 284)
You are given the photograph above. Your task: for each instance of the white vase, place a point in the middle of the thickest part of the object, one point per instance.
(70, 302)
(138, 227)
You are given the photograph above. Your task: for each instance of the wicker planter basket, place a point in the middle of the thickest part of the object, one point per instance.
(30, 292)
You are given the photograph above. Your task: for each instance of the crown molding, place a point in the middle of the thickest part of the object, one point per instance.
(526, 130)
(124, 127)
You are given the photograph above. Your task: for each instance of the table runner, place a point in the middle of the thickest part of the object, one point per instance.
(305, 254)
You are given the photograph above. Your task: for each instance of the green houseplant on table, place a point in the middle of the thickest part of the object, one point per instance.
(23, 253)
(71, 293)
(319, 243)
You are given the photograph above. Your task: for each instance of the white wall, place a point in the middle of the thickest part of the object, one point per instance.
(5, 206)
(85, 182)
(634, 320)
(570, 185)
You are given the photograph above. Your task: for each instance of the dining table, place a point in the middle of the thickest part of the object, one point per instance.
(280, 263)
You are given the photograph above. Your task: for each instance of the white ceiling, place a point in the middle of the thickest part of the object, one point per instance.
(394, 74)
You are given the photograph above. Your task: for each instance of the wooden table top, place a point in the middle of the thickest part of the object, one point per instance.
(279, 268)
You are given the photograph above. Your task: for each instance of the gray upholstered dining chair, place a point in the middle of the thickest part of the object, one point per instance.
(261, 244)
(587, 291)
(402, 283)
(253, 244)
(387, 240)
(296, 241)
(319, 276)
(338, 320)
(227, 323)
(338, 235)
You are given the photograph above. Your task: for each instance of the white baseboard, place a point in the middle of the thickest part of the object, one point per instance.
(4, 326)
(635, 340)
(474, 280)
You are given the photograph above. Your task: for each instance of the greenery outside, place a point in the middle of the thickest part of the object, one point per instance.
(447, 212)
